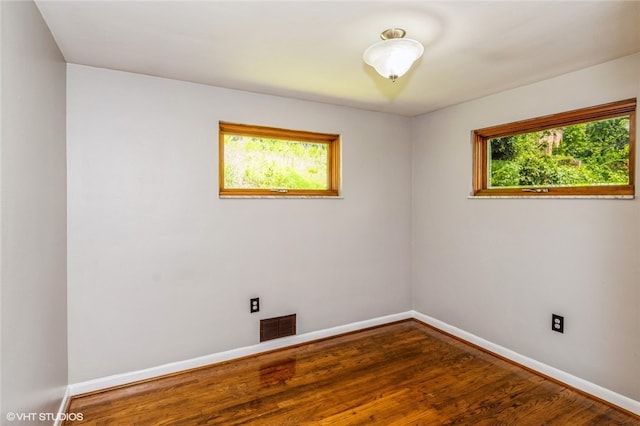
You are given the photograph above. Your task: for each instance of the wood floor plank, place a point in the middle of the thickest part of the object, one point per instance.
(398, 374)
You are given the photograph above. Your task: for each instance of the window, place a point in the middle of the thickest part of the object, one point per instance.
(589, 151)
(265, 161)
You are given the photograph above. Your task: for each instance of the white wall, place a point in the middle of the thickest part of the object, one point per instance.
(33, 225)
(161, 269)
(498, 268)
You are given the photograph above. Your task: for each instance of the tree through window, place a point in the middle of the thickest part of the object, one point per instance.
(584, 152)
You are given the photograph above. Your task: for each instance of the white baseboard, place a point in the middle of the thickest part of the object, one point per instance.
(571, 380)
(60, 416)
(174, 367)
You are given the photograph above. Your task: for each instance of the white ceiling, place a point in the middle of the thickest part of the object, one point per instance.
(313, 49)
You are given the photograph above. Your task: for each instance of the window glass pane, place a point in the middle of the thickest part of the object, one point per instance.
(588, 154)
(253, 162)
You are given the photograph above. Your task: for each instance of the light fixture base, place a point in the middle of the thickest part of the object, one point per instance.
(392, 33)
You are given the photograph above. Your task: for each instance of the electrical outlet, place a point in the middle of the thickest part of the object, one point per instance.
(254, 305)
(557, 323)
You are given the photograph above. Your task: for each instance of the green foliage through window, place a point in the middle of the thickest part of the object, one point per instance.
(593, 153)
(253, 162)
(268, 161)
(583, 152)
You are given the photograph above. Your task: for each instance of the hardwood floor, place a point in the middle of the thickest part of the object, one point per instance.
(404, 373)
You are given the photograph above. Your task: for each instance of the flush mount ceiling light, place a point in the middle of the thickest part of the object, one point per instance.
(393, 56)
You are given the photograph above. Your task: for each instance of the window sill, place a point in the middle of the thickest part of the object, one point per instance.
(281, 197)
(578, 197)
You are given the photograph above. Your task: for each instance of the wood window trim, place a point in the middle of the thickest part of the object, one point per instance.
(333, 152)
(480, 138)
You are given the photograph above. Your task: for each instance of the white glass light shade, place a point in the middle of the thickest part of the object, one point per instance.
(392, 58)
